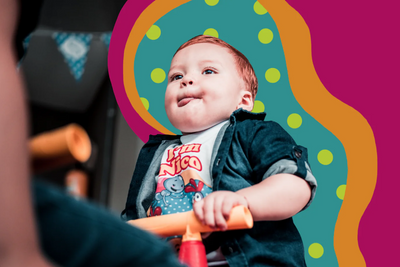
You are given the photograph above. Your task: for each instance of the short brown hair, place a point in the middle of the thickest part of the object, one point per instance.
(244, 67)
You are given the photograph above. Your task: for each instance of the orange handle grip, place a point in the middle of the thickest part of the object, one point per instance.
(180, 223)
(59, 147)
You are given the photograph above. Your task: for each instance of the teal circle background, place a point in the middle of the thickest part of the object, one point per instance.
(317, 223)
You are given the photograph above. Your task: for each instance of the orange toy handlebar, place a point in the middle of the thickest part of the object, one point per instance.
(181, 223)
(192, 251)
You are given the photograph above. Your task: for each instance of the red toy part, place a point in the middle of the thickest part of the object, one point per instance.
(192, 251)
(193, 254)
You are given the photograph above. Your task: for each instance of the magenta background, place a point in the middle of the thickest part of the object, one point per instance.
(126, 19)
(355, 53)
(354, 48)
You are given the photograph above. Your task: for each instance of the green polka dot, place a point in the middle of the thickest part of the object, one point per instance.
(211, 2)
(259, 9)
(340, 191)
(145, 103)
(154, 32)
(158, 75)
(316, 250)
(211, 32)
(325, 157)
(258, 107)
(272, 75)
(265, 36)
(294, 120)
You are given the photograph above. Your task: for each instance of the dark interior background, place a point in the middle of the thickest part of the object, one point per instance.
(56, 98)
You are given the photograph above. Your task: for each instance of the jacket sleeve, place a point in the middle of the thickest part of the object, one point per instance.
(272, 151)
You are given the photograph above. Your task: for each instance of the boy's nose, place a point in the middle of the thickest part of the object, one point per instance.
(187, 81)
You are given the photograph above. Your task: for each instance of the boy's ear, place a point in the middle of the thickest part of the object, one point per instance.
(246, 102)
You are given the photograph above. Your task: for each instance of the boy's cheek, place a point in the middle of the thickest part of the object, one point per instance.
(169, 94)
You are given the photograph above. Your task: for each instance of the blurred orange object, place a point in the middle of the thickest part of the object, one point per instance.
(59, 147)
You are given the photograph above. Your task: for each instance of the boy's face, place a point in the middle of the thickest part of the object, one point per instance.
(204, 87)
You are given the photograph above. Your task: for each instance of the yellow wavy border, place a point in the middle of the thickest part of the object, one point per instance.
(349, 126)
(149, 16)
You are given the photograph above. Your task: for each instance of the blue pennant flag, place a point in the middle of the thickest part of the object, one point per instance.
(106, 37)
(74, 47)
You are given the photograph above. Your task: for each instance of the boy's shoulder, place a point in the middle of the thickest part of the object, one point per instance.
(255, 129)
(253, 122)
(246, 118)
(261, 131)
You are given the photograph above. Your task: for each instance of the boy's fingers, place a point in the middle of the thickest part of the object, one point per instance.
(230, 202)
(243, 201)
(208, 210)
(227, 208)
(240, 201)
(220, 221)
(198, 210)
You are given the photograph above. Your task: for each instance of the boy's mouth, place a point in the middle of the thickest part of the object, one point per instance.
(184, 101)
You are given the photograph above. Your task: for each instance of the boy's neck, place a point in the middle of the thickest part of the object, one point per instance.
(183, 133)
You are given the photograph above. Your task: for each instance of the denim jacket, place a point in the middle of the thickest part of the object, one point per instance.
(246, 151)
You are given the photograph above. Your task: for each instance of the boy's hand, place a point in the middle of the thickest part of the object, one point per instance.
(214, 209)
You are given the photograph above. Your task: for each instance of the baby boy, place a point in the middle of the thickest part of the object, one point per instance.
(226, 156)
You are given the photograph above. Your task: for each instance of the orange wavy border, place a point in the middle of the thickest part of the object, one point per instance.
(343, 121)
(348, 125)
(149, 16)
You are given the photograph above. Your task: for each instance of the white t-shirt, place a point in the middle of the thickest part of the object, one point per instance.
(185, 174)
(185, 177)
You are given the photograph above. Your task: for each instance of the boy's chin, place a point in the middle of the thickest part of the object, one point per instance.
(186, 128)
(194, 129)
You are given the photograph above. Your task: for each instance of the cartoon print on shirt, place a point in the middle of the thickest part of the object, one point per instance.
(193, 187)
(156, 212)
(177, 161)
(177, 194)
(179, 183)
(174, 187)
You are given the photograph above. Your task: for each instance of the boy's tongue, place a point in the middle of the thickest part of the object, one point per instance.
(185, 101)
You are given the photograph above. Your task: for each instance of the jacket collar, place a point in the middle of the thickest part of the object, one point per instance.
(241, 115)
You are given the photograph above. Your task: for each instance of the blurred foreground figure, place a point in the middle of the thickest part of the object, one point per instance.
(70, 233)
(18, 239)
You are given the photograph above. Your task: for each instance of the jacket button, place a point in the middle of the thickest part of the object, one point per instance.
(218, 160)
(297, 154)
(230, 250)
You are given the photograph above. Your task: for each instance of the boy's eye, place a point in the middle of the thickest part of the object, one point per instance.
(208, 71)
(176, 77)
